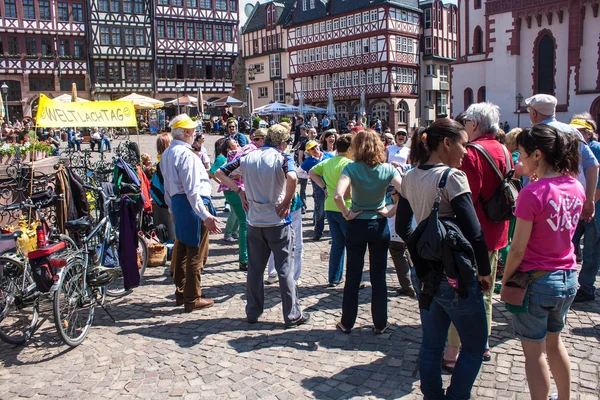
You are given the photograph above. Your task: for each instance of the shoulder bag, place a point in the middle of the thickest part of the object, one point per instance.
(515, 293)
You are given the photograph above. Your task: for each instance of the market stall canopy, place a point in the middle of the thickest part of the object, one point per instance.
(184, 101)
(276, 108)
(68, 98)
(314, 109)
(226, 101)
(140, 101)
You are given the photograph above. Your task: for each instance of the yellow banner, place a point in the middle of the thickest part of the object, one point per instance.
(101, 114)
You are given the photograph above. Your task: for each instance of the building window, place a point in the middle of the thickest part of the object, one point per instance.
(138, 7)
(350, 48)
(481, 95)
(140, 37)
(103, 5)
(328, 25)
(365, 46)
(442, 103)
(179, 29)
(349, 78)
(430, 70)
(30, 46)
(79, 49)
(131, 72)
(263, 92)
(427, 18)
(544, 67)
(233, 5)
(114, 71)
(444, 73)
(377, 76)
(116, 36)
(227, 69)
(10, 8)
(199, 32)
(127, 7)
(191, 3)
(477, 4)
(208, 69)
(170, 74)
(13, 46)
(279, 91)
(275, 65)
(28, 9)
(365, 17)
(380, 110)
(190, 31)
(369, 77)
(199, 69)
(344, 49)
(47, 48)
(160, 68)
(341, 112)
(206, 4)
(115, 6)
(402, 113)
(67, 83)
(219, 33)
(228, 33)
(65, 48)
(334, 80)
(468, 97)
(104, 36)
(63, 12)
(145, 72)
(304, 6)
(357, 46)
(342, 23)
(41, 84)
(373, 44)
(312, 4)
(337, 49)
(373, 15)
(221, 5)
(44, 10)
(427, 46)
(363, 77)
(129, 37)
(160, 29)
(342, 79)
(208, 33)
(350, 20)
(77, 12)
(478, 41)
(336, 24)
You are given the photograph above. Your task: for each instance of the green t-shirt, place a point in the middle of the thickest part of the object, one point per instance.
(220, 160)
(331, 170)
(369, 185)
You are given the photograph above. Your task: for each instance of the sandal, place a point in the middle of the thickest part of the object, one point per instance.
(448, 365)
(487, 356)
(342, 327)
(380, 331)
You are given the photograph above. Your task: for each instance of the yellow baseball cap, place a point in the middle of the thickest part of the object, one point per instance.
(311, 145)
(184, 122)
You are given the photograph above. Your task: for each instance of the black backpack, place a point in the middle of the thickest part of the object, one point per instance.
(501, 206)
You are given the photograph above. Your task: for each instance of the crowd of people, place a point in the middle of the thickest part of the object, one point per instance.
(375, 192)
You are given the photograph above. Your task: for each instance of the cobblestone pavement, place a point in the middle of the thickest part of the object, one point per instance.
(156, 351)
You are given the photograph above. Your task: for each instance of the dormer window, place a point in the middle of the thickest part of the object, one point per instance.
(271, 16)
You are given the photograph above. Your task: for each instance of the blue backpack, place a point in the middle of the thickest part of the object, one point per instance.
(157, 188)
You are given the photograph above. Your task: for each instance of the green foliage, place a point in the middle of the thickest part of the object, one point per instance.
(286, 119)
(256, 122)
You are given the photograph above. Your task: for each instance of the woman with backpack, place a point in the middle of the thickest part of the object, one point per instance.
(547, 212)
(160, 211)
(438, 151)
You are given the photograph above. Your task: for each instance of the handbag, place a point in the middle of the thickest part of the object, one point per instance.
(157, 252)
(501, 206)
(515, 293)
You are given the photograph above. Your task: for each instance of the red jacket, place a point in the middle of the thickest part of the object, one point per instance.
(484, 182)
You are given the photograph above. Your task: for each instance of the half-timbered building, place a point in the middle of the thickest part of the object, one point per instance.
(361, 50)
(264, 50)
(439, 48)
(196, 46)
(121, 47)
(42, 48)
(512, 47)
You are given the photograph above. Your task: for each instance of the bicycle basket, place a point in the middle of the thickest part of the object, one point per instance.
(45, 265)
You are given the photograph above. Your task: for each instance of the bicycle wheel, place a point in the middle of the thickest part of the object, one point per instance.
(142, 252)
(18, 316)
(73, 304)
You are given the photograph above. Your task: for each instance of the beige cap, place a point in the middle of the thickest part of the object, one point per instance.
(542, 103)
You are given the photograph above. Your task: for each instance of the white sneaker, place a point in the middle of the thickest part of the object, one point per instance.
(299, 282)
(271, 279)
(229, 239)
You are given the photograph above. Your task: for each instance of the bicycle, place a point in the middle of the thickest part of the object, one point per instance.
(19, 293)
(89, 272)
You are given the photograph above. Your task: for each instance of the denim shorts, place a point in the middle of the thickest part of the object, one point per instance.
(549, 300)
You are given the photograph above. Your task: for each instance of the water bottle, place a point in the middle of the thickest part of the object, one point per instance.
(41, 236)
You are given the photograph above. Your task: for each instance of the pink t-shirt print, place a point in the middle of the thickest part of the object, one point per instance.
(554, 206)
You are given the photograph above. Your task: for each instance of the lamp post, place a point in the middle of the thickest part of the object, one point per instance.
(97, 91)
(178, 89)
(248, 99)
(4, 88)
(519, 100)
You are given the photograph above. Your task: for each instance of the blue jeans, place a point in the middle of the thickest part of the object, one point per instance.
(469, 318)
(590, 256)
(550, 298)
(360, 234)
(105, 145)
(337, 228)
(319, 198)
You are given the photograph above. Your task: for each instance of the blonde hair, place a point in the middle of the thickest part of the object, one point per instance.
(511, 137)
(367, 148)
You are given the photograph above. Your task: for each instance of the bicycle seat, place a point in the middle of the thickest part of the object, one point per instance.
(80, 224)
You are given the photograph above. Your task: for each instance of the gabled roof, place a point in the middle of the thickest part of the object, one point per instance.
(258, 21)
(336, 7)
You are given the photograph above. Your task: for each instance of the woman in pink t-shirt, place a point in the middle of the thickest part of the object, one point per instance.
(548, 210)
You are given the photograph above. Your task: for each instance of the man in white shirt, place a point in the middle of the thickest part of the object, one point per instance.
(187, 193)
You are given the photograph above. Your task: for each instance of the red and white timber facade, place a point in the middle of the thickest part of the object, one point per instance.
(196, 47)
(42, 49)
(370, 52)
(528, 47)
